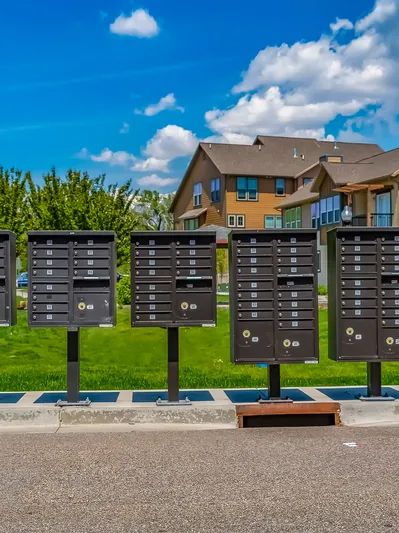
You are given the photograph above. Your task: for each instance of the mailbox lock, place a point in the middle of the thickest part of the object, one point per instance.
(81, 306)
(35, 307)
(246, 333)
(34, 252)
(286, 343)
(75, 263)
(34, 317)
(184, 306)
(389, 341)
(350, 331)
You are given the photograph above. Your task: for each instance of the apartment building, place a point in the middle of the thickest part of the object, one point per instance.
(245, 186)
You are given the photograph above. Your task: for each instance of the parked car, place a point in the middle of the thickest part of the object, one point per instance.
(22, 280)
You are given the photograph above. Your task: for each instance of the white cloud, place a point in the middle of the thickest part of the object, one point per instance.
(298, 89)
(171, 142)
(120, 157)
(383, 10)
(166, 102)
(151, 164)
(139, 24)
(125, 128)
(341, 24)
(153, 180)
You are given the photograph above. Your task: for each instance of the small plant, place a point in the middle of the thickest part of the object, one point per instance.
(322, 290)
(124, 292)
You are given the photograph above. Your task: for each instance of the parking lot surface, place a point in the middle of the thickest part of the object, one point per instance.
(256, 480)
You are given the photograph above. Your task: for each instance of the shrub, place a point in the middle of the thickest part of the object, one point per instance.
(322, 290)
(124, 293)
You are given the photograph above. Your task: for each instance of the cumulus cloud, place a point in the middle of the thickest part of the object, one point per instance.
(166, 102)
(153, 180)
(298, 89)
(119, 157)
(341, 24)
(138, 24)
(151, 164)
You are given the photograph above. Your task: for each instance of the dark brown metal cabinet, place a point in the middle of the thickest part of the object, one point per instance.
(72, 278)
(8, 310)
(273, 288)
(363, 282)
(173, 278)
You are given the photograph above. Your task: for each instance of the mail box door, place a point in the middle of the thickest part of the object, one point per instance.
(254, 305)
(50, 272)
(2, 306)
(358, 339)
(48, 297)
(49, 262)
(295, 345)
(193, 306)
(389, 343)
(50, 287)
(49, 307)
(194, 252)
(91, 308)
(265, 285)
(253, 342)
(91, 252)
(49, 319)
(50, 253)
(152, 297)
(149, 253)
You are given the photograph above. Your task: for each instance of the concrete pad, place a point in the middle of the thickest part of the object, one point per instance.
(29, 416)
(355, 412)
(129, 428)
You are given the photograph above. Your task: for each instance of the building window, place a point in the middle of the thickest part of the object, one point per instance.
(215, 190)
(247, 188)
(197, 194)
(315, 213)
(236, 221)
(329, 210)
(293, 217)
(307, 180)
(273, 221)
(191, 223)
(280, 187)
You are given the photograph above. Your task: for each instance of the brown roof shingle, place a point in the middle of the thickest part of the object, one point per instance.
(302, 196)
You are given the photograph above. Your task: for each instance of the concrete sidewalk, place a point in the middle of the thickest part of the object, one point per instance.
(214, 408)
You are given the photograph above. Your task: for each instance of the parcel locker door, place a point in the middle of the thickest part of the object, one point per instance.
(195, 307)
(357, 339)
(92, 308)
(254, 342)
(296, 346)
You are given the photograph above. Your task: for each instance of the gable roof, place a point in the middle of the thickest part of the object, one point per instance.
(303, 195)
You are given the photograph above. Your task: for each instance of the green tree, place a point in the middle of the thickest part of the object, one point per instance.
(155, 208)
(13, 205)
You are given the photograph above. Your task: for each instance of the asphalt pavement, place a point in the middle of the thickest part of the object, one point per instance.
(237, 481)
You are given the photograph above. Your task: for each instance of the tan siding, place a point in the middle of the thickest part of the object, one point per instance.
(359, 203)
(306, 216)
(202, 171)
(255, 211)
(326, 187)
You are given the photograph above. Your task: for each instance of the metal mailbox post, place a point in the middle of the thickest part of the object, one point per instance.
(8, 310)
(274, 311)
(173, 285)
(71, 279)
(363, 293)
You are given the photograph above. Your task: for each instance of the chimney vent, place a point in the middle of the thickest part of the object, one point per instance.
(259, 147)
(331, 158)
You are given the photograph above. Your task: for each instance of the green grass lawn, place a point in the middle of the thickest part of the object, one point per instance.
(130, 358)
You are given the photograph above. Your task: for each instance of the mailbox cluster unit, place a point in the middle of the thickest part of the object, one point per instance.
(363, 283)
(173, 278)
(71, 278)
(8, 310)
(273, 284)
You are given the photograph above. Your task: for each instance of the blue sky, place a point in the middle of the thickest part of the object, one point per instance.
(129, 88)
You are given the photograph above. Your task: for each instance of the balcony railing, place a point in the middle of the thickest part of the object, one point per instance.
(377, 220)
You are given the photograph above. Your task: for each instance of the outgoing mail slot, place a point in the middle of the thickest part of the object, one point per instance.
(255, 315)
(299, 314)
(359, 312)
(192, 262)
(357, 339)
(49, 297)
(349, 283)
(358, 249)
(255, 305)
(253, 342)
(50, 253)
(91, 252)
(155, 262)
(50, 287)
(295, 270)
(50, 272)
(194, 285)
(153, 307)
(49, 307)
(47, 319)
(359, 269)
(91, 263)
(296, 324)
(359, 293)
(255, 270)
(49, 263)
(296, 346)
(255, 285)
(153, 252)
(92, 308)
(197, 307)
(91, 272)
